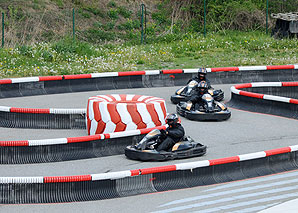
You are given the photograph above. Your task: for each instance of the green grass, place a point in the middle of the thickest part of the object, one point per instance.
(180, 51)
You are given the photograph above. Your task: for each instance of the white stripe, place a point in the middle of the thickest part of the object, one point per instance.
(247, 68)
(117, 97)
(251, 156)
(192, 165)
(266, 84)
(103, 109)
(93, 127)
(142, 98)
(153, 99)
(276, 98)
(97, 98)
(208, 69)
(146, 117)
(152, 72)
(21, 179)
(234, 90)
(190, 70)
(294, 148)
(158, 109)
(24, 80)
(111, 175)
(90, 110)
(129, 97)
(296, 66)
(5, 109)
(67, 111)
(125, 133)
(47, 142)
(110, 127)
(105, 74)
(125, 116)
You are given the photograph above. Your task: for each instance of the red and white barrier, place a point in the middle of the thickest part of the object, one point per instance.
(116, 113)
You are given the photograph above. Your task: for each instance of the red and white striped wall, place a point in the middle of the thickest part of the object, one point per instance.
(236, 90)
(42, 111)
(57, 141)
(145, 171)
(115, 113)
(148, 72)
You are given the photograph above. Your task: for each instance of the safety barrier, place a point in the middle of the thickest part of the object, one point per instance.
(72, 148)
(262, 97)
(16, 190)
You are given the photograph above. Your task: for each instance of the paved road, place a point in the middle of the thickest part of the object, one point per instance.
(244, 132)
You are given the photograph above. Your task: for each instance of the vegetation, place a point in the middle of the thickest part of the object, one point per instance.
(38, 36)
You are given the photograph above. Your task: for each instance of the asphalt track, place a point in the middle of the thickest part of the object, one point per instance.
(244, 132)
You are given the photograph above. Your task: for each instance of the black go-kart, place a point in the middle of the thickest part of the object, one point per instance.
(145, 149)
(209, 110)
(186, 91)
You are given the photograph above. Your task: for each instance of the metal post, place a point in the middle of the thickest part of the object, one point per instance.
(142, 23)
(204, 18)
(267, 5)
(73, 24)
(2, 29)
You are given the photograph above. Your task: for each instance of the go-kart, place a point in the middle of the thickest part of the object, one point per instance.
(182, 93)
(209, 110)
(145, 149)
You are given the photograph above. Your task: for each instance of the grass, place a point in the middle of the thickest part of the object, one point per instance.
(186, 51)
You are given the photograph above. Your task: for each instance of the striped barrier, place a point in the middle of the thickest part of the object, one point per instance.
(71, 148)
(16, 190)
(266, 97)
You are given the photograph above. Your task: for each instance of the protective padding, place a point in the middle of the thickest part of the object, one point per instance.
(116, 113)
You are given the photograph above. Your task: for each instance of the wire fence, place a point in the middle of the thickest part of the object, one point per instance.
(23, 25)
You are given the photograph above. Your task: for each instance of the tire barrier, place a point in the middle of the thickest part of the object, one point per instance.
(18, 190)
(261, 97)
(116, 113)
(17, 87)
(12, 117)
(72, 148)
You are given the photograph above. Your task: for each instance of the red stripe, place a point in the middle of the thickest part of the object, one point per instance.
(50, 78)
(172, 71)
(294, 101)
(60, 179)
(112, 97)
(280, 67)
(83, 138)
(224, 69)
(107, 136)
(147, 130)
(6, 81)
(158, 169)
(289, 84)
(136, 97)
(153, 114)
(251, 94)
(123, 97)
(163, 108)
(135, 116)
(131, 73)
(240, 86)
(135, 172)
(30, 110)
(77, 76)
(224, 160)
(14, 143)
(278, 151)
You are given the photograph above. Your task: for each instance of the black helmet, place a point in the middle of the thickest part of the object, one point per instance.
(202, 86)
(202, 72)
(172, 119)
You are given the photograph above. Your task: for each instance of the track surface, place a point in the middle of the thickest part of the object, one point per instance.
(244, 132)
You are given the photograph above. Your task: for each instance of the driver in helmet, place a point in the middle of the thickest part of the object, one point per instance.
(200, 90)
(172, 134)
(202, 72)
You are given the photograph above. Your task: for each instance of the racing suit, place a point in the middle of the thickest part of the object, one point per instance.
(197, 79)
(173, 135)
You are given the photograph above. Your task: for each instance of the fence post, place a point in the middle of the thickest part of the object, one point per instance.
(267, 5)
(73, 24)
(2, 29)
(143, 20)
(204, 18)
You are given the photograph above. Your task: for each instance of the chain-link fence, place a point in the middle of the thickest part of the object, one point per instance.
(27, 22)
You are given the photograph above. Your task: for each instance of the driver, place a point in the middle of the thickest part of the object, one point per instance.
(172, 134)
(202, 72)
(201, 89)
